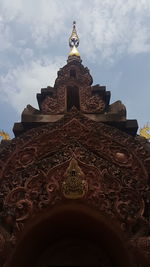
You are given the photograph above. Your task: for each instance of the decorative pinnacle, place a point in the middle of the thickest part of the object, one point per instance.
(74, 39)
(74, 42)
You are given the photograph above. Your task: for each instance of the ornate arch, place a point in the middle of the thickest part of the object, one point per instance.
(40, 235)
(110, 170)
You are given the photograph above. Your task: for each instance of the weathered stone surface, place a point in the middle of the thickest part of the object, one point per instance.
(92, 101)
(33, 167)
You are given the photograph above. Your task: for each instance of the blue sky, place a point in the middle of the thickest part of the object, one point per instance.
(114, 45)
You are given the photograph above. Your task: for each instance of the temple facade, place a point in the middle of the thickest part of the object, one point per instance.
(74, 182)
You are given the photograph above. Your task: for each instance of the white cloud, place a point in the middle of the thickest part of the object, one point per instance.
(21, 84)
(141, 41)
(114, 27)
(108, 29)
(5, 36)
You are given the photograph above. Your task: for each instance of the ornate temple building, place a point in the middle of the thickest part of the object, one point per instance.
(74, 182)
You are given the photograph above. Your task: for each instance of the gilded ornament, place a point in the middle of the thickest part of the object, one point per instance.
(145, 132)
(74, 186)
(74, 42)
(4, 135)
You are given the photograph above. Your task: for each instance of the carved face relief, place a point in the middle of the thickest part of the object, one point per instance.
(74, 186)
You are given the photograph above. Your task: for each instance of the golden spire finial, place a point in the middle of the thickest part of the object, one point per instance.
(74, 42)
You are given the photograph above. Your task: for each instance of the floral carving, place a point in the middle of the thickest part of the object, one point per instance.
(111, 163)
(49, 105)
(93, 104)
(54, 105)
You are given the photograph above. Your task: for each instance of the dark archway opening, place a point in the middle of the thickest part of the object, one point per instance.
(71, 236)
(72, 73)
(73, 97)
(75, 251)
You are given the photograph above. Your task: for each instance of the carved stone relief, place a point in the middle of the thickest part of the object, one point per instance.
(110, 174)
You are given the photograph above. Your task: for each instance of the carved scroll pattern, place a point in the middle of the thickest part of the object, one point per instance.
(89, 103)
(54, 105)
(116, 177)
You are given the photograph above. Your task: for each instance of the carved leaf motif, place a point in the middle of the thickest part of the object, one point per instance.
(54, 105)
(49, 105)
(33, 167)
